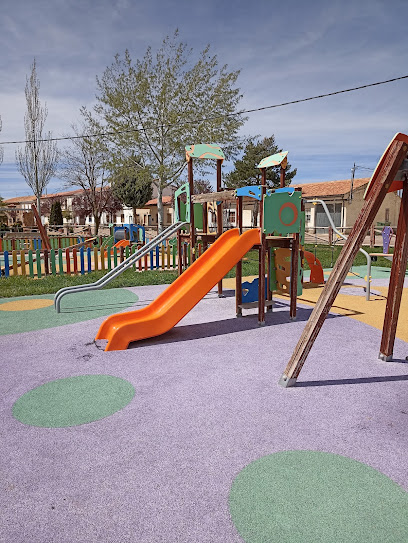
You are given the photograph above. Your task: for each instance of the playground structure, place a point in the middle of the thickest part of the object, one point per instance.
(390, 175)
(279, 243)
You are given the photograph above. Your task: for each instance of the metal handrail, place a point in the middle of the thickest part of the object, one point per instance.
(120, 268)
(368, 276)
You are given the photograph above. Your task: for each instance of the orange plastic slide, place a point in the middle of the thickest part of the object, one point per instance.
(181, 296)
(316, 270)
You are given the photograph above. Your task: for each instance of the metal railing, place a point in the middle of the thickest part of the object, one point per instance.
(368, 258)
(120, 268)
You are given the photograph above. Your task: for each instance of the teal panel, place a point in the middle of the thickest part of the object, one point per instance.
(198, 216)
(203, 150)
(184, 189)
(282, 213)
(273, 160)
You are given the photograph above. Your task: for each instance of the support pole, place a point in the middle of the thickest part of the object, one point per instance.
(399, 266)
(205, 226)
(238, 271)
(262, 254)
(192, 225)
(386, 174)
(282, 177)
(219, 217)
(294, 266)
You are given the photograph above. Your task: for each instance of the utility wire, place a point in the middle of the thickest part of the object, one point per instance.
(216, 117)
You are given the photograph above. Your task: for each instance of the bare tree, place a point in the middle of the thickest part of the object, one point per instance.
(85, 164)
(37, 161)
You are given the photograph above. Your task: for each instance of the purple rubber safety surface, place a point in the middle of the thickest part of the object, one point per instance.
(206, 404)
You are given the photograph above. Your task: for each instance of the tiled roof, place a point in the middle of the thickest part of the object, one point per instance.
(166, 201)
(330, 188)
(32, 199)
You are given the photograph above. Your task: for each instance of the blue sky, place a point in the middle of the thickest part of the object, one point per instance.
(285, 51)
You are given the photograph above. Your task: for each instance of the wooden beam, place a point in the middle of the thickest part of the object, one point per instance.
(238, 269)
(192, 223)
(262, 255)
(385, 175)
(220, 229)
(398, 269)
(294, 264)
(214, 196)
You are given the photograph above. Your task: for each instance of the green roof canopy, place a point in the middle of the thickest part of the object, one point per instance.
(279, 159)
(204, 150)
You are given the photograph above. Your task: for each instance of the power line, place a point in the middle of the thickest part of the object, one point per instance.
(215, 117)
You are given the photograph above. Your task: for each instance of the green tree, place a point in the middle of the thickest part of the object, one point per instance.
(245, 170)
(132, 191)
(56, 217)
(157, 105)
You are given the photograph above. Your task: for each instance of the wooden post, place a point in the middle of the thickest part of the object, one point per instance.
(330, 236)
(282, 177)
(205, 225)
(262, 254)
(219, 217)
(238, 269)
(179, 253)
(392, 160)
(399, 266)
(192, 224)
(294, 266)
(372, 236)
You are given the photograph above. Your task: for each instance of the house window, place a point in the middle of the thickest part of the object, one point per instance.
(122, 218)
(231, 216)
(387, 215)
(308, 215)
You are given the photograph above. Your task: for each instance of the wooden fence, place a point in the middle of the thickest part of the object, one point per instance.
(73, 261)
(18, 244)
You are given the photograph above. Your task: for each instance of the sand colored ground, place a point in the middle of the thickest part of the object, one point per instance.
(353, 305)
(25, 305)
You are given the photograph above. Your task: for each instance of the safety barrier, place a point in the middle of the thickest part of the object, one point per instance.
(79, 261)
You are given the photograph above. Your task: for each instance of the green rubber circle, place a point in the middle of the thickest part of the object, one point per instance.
(73, 401)
(302, 496)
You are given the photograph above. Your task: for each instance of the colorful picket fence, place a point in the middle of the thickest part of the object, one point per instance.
(18, 244)
(73, 261)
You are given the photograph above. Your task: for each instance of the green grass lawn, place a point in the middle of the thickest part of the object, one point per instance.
(25, 286)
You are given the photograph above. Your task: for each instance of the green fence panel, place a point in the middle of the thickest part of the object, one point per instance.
(38, 262)
(52, 259)
(60, 262)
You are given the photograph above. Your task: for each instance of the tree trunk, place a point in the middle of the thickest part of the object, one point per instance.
(97, 223)
(160, 214)
(39, 207)
(254, 214)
